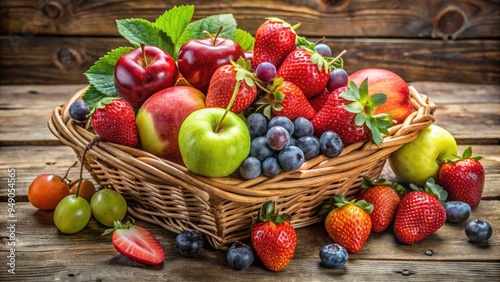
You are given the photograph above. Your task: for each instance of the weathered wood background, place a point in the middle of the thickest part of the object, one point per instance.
(55, 41)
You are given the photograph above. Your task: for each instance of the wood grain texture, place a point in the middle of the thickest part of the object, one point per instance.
(346, 18)
(63, 60)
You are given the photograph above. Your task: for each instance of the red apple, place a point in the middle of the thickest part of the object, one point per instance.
(392, 85)
(142, 72)
(199, 58)
(161, 116)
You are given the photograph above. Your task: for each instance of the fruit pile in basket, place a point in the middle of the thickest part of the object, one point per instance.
(212, 97)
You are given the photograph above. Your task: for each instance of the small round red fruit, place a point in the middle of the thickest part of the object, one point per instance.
(87, 189)
(47, 190)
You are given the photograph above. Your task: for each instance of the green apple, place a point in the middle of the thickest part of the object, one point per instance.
(420, 159)
(210, 152)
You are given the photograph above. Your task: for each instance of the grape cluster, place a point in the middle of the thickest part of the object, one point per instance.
(282, 144)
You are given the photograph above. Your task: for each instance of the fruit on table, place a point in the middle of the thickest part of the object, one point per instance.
(240, 256)
(87, 188)
(142, 72)
(78, 111)
(47, 190)
(420, 159)
(420, 213)
(199, 58)
(463, 178)
(211, 147)
(108, 206)
(273, 237)
(348, 111)
(392, 85)
(385, 198)
(274, 40)
(160, 117)
(223, 83)
(72, 214)
(136, 243)
(114, 120)
(457, 211)
(189, 243)
(333, 255)
(478, 231)
(348, 223)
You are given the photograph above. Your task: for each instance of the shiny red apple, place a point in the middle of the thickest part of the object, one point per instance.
(142, 72)
(199, 58)
(392, 85)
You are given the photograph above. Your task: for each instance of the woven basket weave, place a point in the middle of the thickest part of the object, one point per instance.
(168, 194)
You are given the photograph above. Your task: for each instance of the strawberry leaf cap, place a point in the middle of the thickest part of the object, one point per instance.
(273, 99)
(119, 225)
(268, 213)
(467, 154)
(339, 201)
(368, 183)
(432, 188)
(363, 105)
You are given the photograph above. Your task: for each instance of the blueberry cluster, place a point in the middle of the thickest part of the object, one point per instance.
(282, 144)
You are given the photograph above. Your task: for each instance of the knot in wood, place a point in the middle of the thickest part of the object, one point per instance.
(68, 57)
(449, 22)
(53, 10)
(336, 3)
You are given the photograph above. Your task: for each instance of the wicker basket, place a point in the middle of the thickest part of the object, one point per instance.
(168, 194)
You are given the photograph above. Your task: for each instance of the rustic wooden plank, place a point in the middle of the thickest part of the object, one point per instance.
(30, 161)
(63, 60)
(47, 252)
(442, 93)
(355, 18)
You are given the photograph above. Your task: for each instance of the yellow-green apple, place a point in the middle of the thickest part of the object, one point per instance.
(420, 159)
(213, 148)
(199, 58)
(160, 118)
(398, 101)
(142, 72)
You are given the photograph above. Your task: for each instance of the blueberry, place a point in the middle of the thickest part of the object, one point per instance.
(478, 231)
(282, 121)
(309, 145)
(323, 49)
(277, 137)
(240, 256)
(260, 149)
(189, 243)
(271, 167)
(78, 111)
(292, 142)
(257, 125)
(330, 144)
(302, 127)
(250, 168)
(291, 158)
(333, 255)
(457, 211)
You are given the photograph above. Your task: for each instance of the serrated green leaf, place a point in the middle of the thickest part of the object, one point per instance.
(377, 99)
(174, 21)
(141, 30)
(195, 30)
(244, 39)
(100, 75)
(93, 97)
(354, 107)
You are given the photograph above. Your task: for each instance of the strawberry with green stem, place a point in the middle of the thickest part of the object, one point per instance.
(420, 213)
(349, 111)
(463, 178)
(273, 237)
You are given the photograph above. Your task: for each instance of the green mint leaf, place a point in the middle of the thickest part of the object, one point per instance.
(93, 97)
(141, 30)
(100, 75)
(377, 99)
(194, 30)
(174, 21)
(244, 39)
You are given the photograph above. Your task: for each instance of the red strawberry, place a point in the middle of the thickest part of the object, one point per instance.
(318, 101)
(420, 213)
(285, 99)
(274, 40)
(137, 243)
(348, 223)
(114, 120)
(223, 83)
(463, 178)
(349, 112)
(307, 69)
(273, 238)
(384, 196)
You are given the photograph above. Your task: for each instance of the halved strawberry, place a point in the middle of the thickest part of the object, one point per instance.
(137, 243)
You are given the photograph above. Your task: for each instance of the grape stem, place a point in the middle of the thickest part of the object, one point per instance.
(338, 57)
(87, 148)
(231, 102)
(67, 171)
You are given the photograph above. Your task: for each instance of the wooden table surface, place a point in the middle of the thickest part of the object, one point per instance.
(470, 112)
